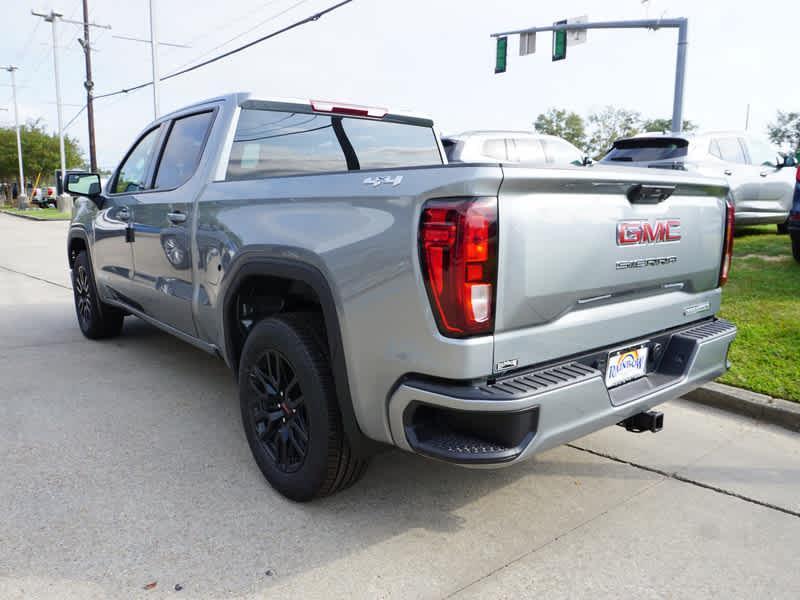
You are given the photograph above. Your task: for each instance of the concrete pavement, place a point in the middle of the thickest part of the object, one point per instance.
(123, 463)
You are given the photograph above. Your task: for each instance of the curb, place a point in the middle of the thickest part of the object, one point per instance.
(751, 404)
(31, 217)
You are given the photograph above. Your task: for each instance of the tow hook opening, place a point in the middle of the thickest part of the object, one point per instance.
(651, 420)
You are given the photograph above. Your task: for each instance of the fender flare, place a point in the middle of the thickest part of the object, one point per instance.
(77, 232)
(249, 266)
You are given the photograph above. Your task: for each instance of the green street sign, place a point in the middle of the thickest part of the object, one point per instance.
(560, 42)
(502, 55)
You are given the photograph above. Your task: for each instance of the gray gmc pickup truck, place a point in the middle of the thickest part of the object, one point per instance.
(366, 293)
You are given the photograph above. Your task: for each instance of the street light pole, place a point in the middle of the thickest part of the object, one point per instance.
(154, 57)
(21, 197)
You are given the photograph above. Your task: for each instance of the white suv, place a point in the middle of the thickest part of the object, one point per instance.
(509, 147)
(761, 179)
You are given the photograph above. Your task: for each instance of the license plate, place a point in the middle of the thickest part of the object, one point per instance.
(626, 365)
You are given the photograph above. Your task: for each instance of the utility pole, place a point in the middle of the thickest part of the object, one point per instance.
(22, 197)
(89, 85)
(52, 17)
(681, 24)
(154, 57)
(64, 200)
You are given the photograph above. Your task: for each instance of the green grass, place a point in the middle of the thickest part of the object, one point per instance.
(763, 299)
(43, 214)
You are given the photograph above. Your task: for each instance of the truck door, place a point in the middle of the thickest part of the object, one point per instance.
(162, 250)
(112, 254)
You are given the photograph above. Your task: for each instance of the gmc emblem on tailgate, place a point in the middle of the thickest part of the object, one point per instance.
(661, 231)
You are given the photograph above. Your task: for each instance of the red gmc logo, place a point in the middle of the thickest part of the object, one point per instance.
(630, 233)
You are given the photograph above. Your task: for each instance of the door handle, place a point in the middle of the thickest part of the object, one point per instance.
(728, 172)
(176, 217)
(763, 173)
(123, 214)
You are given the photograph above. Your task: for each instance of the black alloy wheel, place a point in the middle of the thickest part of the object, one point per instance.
(83, 297)
(278, 411)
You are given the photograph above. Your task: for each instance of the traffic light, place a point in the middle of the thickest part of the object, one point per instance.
(502, 55)
(560, 42)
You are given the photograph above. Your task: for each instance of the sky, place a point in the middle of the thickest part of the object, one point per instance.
(432, 57)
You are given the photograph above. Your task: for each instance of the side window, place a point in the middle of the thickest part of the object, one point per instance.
(761, 153)
(380, 145)
(495, 149)
(561, 153)
(713, 149)
(731, 150)
(530, 151)
(133, 172)
(271, 143)
(183, 149)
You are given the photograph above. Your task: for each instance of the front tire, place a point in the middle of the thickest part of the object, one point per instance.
(290, 410)
(96, 319)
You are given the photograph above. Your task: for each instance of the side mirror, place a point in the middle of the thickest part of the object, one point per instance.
(83, 184)
(788, 160)
(587, 161)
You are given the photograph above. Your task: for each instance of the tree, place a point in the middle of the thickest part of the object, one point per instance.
(564, 124)
(785, 131)
(608, 125)
(40, 153)
(666, 125)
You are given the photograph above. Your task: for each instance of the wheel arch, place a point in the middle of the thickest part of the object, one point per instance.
(248, 267)
(77, 240)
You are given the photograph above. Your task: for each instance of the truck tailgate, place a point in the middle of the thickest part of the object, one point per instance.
(585, 262)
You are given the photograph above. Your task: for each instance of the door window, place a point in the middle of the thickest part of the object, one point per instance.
(182, 151)
(761, 153)
(495, 149)
(560, 152)
(731, 150)
(133, 172)
(529, 151)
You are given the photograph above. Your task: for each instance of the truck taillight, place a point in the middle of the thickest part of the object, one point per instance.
(797, 174)
(727, 244)
(458, 252)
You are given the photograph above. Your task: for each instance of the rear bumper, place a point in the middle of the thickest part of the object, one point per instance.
(506, 421)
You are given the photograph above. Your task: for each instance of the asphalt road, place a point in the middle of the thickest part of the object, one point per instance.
(123, 463)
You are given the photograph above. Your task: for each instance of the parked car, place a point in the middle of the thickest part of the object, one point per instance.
(793, 224)
(50, 195)
(761, 179)
(510, 147)
(37, 197)
(366, 293)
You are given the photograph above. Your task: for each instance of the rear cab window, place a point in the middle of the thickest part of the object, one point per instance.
(647, 150)
(275, 143)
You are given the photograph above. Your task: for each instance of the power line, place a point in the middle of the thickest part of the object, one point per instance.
(314, 17)
(244, 33)
(227, 25)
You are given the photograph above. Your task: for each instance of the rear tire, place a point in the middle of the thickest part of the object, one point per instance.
(783, 228)
(96, 319)
(290, 411)
(796, 245)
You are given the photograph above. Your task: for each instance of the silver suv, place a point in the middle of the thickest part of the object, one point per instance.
(520, 147)
(761, 179)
